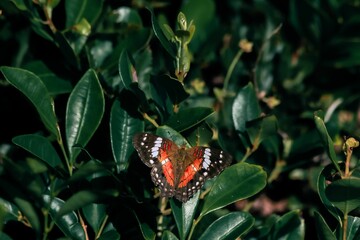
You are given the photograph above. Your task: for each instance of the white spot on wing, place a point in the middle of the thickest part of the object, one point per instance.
(154, 154)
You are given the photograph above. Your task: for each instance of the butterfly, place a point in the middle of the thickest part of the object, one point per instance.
(179, 171)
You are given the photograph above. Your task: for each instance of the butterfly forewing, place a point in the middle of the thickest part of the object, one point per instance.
(150, 147)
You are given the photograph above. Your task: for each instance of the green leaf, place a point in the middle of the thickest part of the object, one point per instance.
(323, 230)
(169, 46)
(67, 49)
(188, 118)
(261, 129)
(84, 112)
(69, 224)
(86, 170)
(125, 69)
(184, 214)
(230, 226)
(353, 229)
(309, 24)
(84, 197)
(326, 140)
(245, 107)
(20, 198)
(289, 226)
(34, 89)
(40, 147)
(167, 235)
(166, 87)
(325, 174)
(8, 211)
(54, 83)
(4, 236)
(344, 194)
(203, 17)
(78, 9)
(200, 135)
(95, 215)
(111, 234)
(168, 132)
(237, 182)
(146, 231)
(122, 128)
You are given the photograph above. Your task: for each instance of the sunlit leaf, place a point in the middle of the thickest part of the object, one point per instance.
(123, 126)
(34, 89)
(40, 147)
(230, 226)
(184, 214)
(84, 112)
(237, 182)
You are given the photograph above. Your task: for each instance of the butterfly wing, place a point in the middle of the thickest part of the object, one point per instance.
(207, 163)
(154, 151)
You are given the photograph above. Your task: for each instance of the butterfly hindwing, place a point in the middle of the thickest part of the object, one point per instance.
(208, 163)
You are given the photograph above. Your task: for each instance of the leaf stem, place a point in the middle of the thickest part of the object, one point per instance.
(231, 69)
(68, 164)
(195, 222)
(103, 224)
(152, 121)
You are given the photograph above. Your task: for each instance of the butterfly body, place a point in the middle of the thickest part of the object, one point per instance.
(179, 171)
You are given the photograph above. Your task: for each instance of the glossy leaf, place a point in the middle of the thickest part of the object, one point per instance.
(69, 224)
(323, 230)
(184, 214)
(122, 128)
(54, 83)
(188, 118)
(237, 182)
(261, 129)
(289, 226)
(167, 235)
(126, 69)
(8, 211)
(325, 138)
(204, 19)
(95, 214)
(40, 147)
(34, 89)
(353, 229)
(245, 107)
(230, 226)
(4, 236)
(325, 174)
(307, 25)
(201, 135)
(344, 194)
(85, 171)
(146, 231)
(169, 47)
(166, 87)
(78, 9)
(112, 234)
(84, 112)
(67, 49)
(168, 132)
(83, 198)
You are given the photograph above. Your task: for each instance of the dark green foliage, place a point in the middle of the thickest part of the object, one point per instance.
(80, 78)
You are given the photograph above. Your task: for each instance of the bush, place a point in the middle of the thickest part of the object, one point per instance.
(274, 84)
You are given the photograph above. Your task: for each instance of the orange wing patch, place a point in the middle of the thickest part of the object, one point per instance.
(167, 167)
(189, 172)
